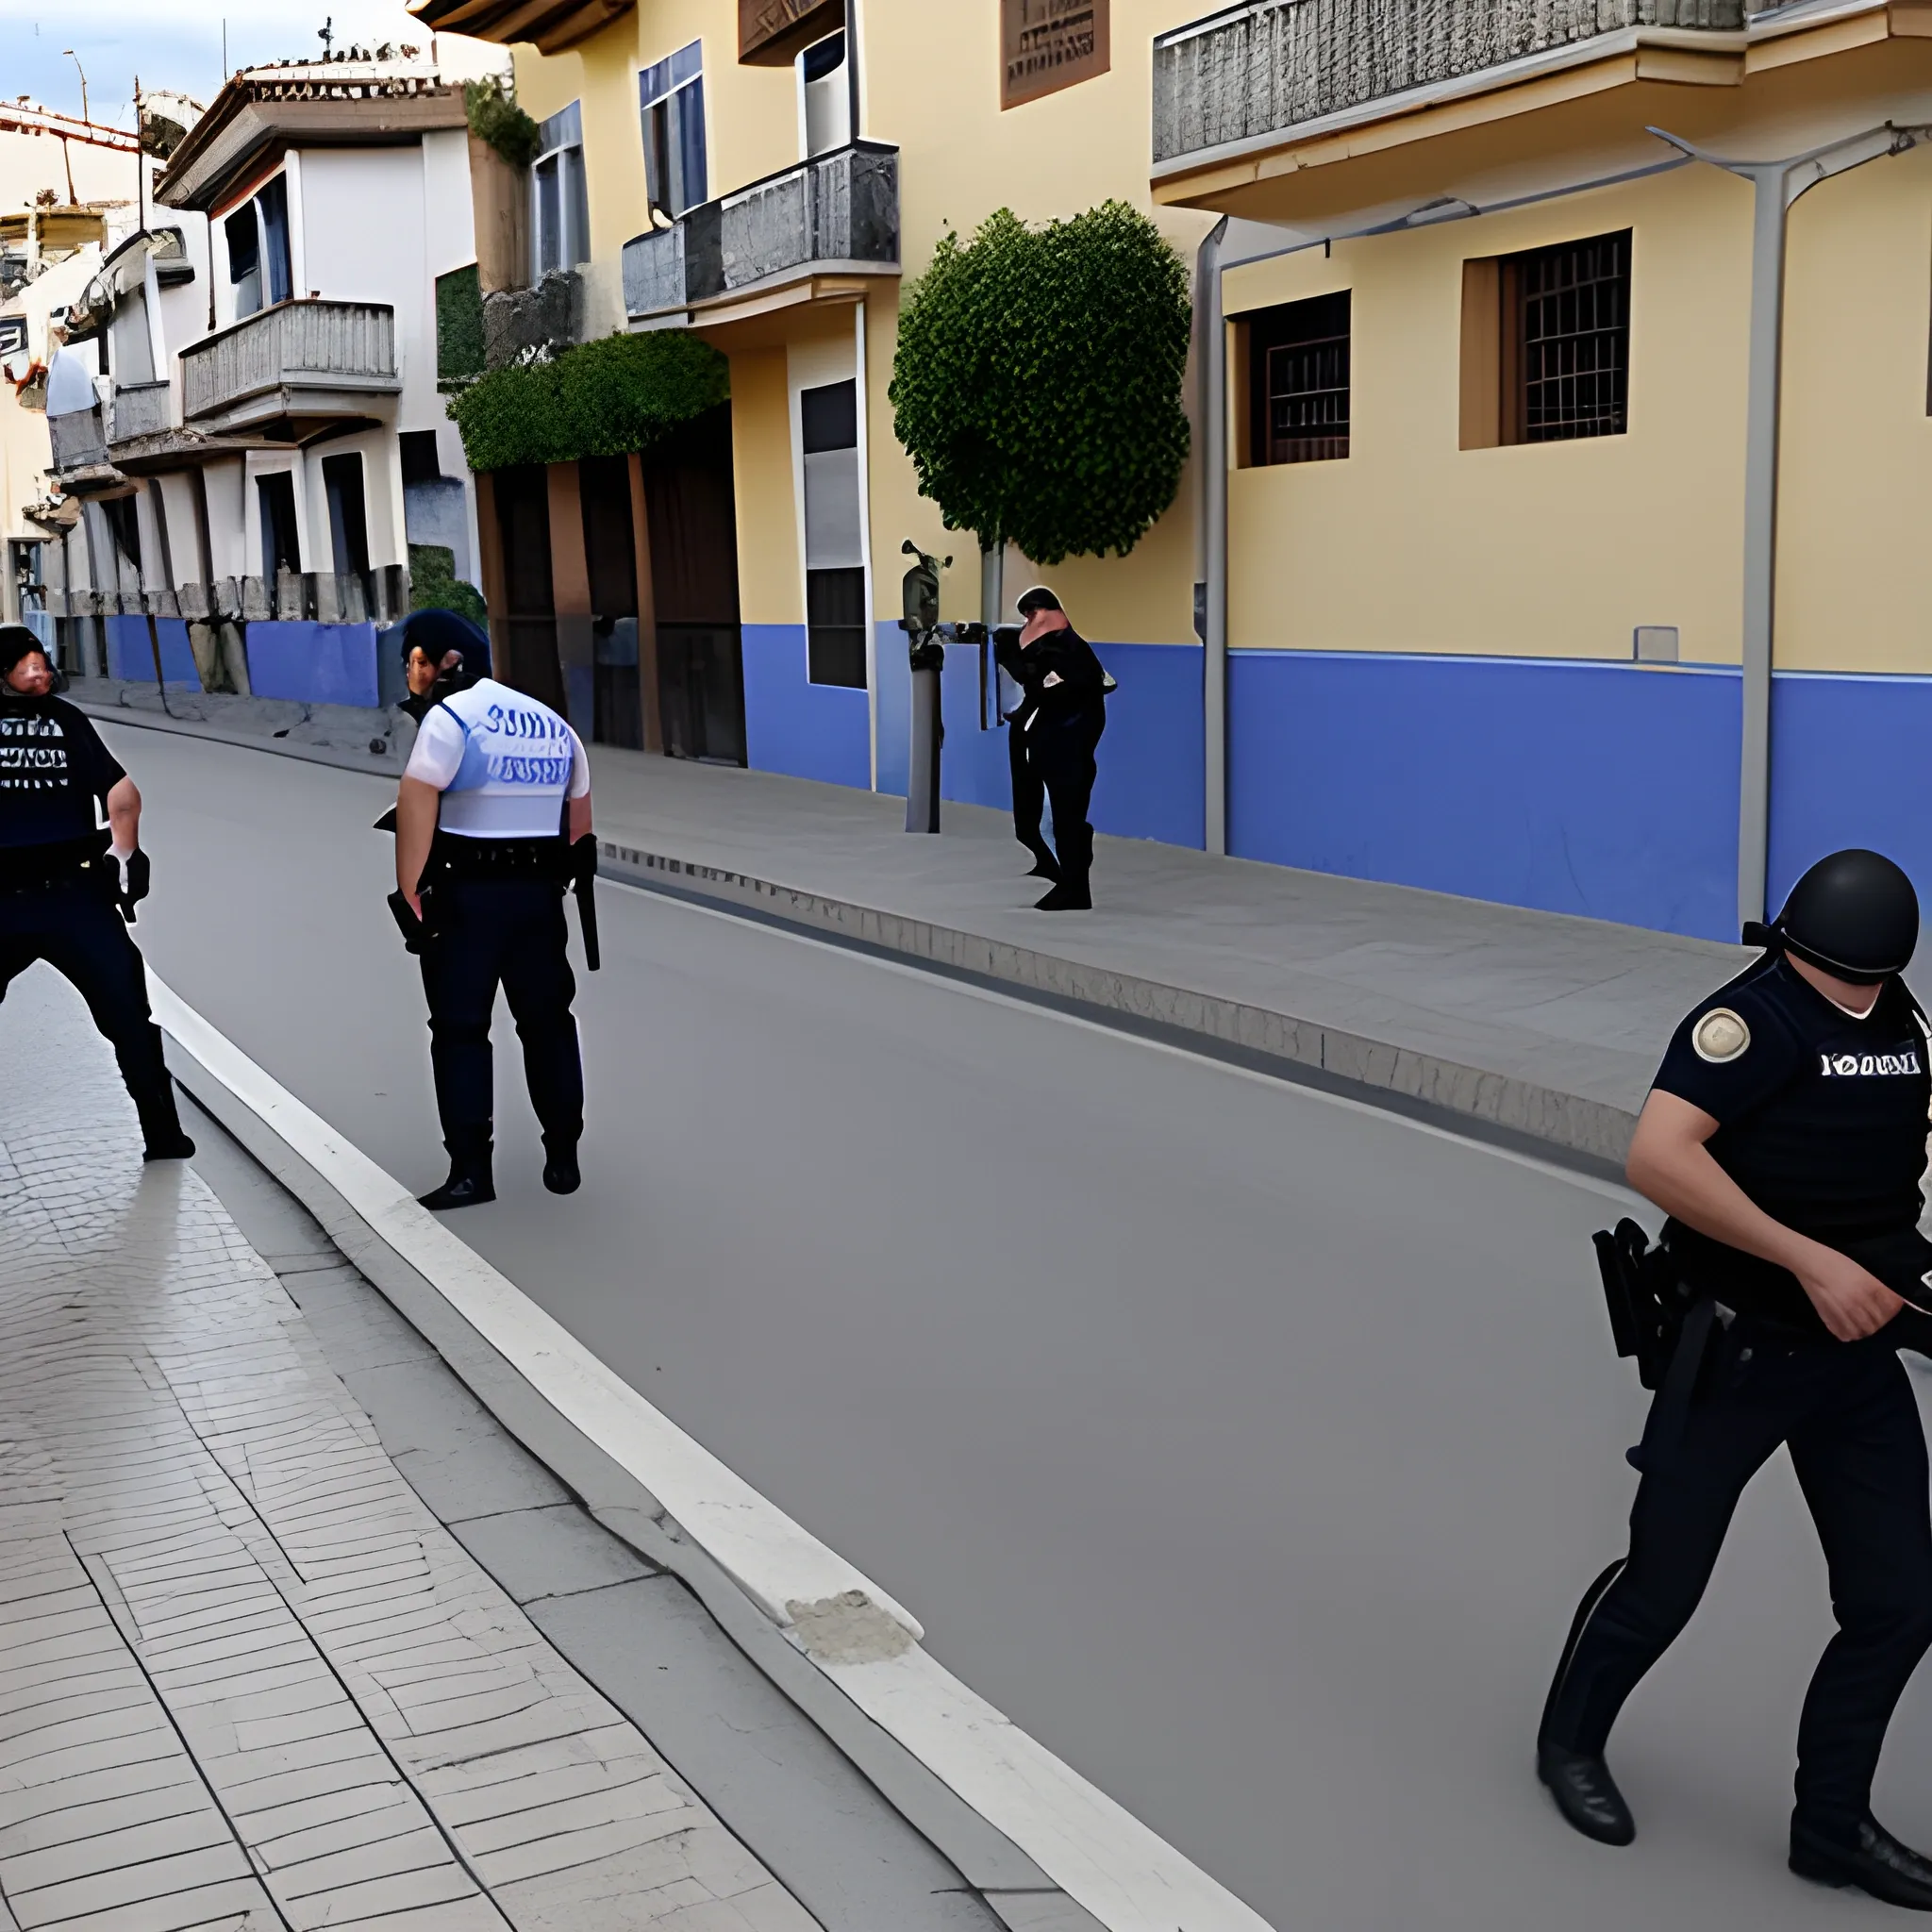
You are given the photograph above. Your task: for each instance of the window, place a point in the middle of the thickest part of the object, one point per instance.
(561, 221)
(833, 552)
(421, 463)
(348, 519)
(1298, 358)
(826, 85)
(671, 97)
(1546, 343)
(259, 263)
(281, 547)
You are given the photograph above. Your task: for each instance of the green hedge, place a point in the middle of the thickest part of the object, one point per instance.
(458, 327)
(434, 586)
(495, 118)
(602, 399)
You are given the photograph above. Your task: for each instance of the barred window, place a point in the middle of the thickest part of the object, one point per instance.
(1298, 377)
(1572, 315)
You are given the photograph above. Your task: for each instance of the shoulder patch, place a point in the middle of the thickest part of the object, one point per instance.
(1720, 1036)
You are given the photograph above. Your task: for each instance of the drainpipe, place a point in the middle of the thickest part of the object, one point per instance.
(1213, 352)
(1776, 185)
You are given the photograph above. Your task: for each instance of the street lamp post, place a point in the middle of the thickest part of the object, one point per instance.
(82, 72)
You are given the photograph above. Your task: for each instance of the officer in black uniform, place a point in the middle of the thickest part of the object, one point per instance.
(1057, 725)
(1785, 1137)
(68, 888)
(492, 823)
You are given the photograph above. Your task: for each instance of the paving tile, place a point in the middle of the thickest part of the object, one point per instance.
(203, 1830)
(102, 1892)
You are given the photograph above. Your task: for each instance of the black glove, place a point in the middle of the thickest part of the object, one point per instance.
(408, 923)
(137, 874)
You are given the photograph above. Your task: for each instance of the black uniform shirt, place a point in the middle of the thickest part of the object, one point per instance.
(1822, 1121)
(53, 767)
(1082, 680)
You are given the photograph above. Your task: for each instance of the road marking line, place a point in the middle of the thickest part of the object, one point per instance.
(1173, 1049)
(1124, 1873)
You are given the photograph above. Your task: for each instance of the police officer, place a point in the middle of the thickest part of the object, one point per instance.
(1058, 720)
(424, 640)
(1785, 1137)
(68, 888)
(496, 792)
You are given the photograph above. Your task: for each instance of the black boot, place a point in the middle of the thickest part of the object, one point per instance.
(1067, 895)
(1045, 866)
(1586, 1795)
(161, 1127)
(468, 1184)
(1875, 1862)
(561, 1171)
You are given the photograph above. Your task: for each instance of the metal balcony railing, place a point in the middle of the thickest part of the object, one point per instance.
(296, 359)
(1275, 64)
(840, 209)
(140, 408)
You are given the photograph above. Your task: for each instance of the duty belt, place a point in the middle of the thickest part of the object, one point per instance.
(25, 867)
(491, 859)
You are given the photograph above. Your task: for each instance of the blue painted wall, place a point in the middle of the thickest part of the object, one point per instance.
(130, 653)
(793, 726)
(1149, 760)
(318, 663)
(1605, 789)
(1851, 764)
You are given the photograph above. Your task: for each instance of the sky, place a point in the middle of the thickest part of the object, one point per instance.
(174, 44)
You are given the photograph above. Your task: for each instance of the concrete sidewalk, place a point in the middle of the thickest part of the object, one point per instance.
(254, 1675)
(1533, 1028)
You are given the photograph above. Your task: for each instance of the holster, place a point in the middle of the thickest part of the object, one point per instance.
(1647, 1302)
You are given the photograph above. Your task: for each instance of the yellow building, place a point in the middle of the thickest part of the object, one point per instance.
(737, 172)
(1558, 487)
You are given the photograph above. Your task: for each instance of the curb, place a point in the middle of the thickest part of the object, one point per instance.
(1024, 1829)
(1590, 1135)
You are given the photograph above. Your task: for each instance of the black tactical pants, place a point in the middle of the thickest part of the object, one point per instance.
(1846, 1412)
(1030, 796)
(1060, 752)
(75, 929)
(506, 932)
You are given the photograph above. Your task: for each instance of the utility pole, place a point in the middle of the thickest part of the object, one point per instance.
(139, 161)
(327, 36)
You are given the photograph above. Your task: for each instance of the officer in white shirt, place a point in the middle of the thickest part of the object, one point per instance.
(496, 793)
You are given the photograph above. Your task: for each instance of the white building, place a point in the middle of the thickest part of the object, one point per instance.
(271, 439)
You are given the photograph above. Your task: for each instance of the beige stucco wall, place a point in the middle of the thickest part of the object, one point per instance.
(1412, 544)
(1855, 569)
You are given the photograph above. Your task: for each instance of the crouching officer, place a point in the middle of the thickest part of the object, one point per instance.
(1785, 1137)
(68, 889)
(493, 800)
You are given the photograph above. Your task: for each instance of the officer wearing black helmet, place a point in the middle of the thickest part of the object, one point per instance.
(492, 821)
(68, 886)
(1786, 1138)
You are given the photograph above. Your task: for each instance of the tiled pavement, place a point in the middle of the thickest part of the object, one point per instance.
(246, 1679)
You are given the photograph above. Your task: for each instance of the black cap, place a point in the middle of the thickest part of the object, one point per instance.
(16, 641)
(436, 633)
(1853, 914)
(1038, 598)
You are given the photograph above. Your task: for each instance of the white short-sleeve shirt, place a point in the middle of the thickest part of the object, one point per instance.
(504, 763)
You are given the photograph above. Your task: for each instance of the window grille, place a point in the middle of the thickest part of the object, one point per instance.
(1299, 381)
(1572, 315)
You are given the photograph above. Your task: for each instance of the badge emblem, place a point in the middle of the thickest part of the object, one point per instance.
(1720, 1036)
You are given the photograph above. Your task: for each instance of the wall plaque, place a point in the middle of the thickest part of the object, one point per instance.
(1048, 45)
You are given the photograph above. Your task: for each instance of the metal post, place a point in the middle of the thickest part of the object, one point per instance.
(1775, 184)
(922, 759)
(1214, 538)
(992, 599)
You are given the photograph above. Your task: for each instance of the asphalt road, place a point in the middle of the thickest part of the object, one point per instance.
(1248, 1447)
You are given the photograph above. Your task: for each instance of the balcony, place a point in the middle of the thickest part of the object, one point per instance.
(1228, 82)
(800, 235)
(298, 363)
(142, 409)
(80, 461)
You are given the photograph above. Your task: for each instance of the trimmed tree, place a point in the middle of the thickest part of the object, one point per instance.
(1037, 385)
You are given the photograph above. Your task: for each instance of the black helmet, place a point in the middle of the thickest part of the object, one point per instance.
(16, 641)
(1036, 599)
(1853, 914)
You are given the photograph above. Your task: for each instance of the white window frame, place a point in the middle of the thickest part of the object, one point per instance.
(563, 137)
